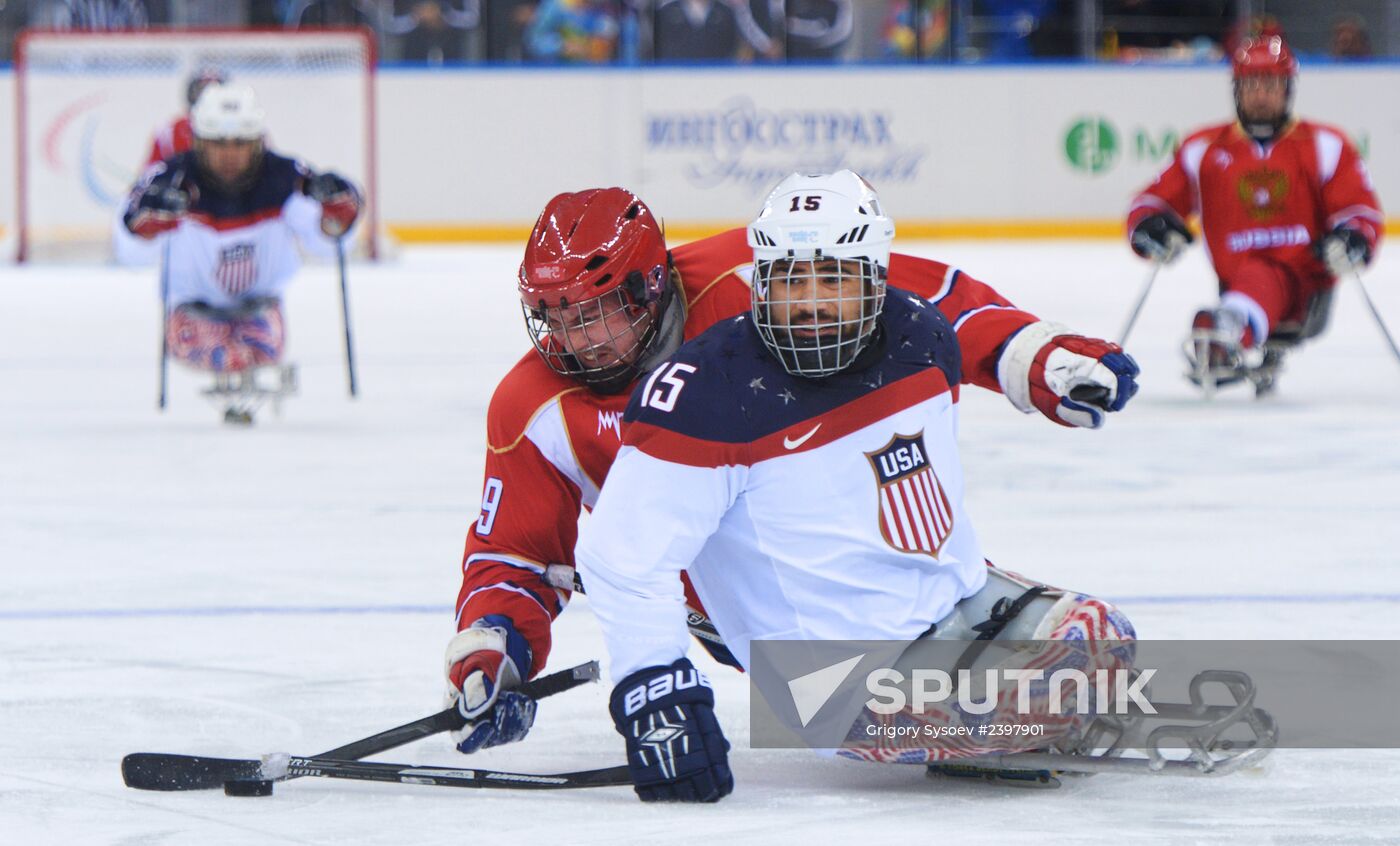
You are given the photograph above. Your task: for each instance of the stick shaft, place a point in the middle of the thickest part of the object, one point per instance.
(161, 771)
(1141, 300)
(1380, 322)
(345, 316)
(320, 767)
(164, 323)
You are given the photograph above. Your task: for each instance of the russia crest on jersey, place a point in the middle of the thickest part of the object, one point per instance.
(915, 515)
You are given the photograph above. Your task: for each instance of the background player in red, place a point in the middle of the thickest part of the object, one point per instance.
(604, 300)
(1286, 208)
(178, 136)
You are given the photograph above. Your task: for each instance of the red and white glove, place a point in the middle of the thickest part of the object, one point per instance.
(484, 663)
(160, 206)
(340, 202)
(1071, 379)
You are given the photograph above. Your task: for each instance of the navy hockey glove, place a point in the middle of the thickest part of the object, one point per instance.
(484, 662)
(159, 207)
(675, 748)
(1160, 237)
(1071, 379)
(340, 202)
(1344, 250)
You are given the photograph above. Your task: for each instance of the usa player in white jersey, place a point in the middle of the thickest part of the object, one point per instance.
(800, 463)
(234, 215)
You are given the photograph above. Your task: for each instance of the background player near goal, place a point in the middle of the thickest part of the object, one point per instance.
(1286, 208)
(604, 301)
(90, 101)
(233, 215)
(178, 135)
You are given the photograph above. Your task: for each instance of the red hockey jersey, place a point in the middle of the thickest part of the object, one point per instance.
(550, 441)
(1275, 200)
(175, 138)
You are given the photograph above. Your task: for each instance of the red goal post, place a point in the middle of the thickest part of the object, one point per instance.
(89, 104)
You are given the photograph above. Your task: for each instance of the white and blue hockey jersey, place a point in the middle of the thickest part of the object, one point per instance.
(234, 246)
(802, 509)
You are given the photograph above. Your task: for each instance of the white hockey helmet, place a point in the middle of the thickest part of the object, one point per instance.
(228, 112)
(815, 230)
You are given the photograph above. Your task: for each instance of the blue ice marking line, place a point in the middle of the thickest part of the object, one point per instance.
(1258, 599)
(390, 610)
(220, 611)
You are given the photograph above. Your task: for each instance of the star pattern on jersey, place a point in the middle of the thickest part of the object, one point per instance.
(756, 384)
(787, 396)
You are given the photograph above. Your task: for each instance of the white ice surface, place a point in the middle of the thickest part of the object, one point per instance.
(170, 584)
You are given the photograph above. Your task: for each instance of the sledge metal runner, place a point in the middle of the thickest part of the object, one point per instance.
(1215, 358)
(243, 393)
(1195, 739)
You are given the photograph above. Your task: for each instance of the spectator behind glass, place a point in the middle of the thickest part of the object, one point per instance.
(88, 14)
(805, 30)
(312, 13)
(899, 39)
(434, 32)
(202, 13)
(698, 30)
(1350, 38)
(1013, 23)
(572, 31)
(505, 29)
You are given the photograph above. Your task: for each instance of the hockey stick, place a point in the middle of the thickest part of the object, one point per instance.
(345, 315)
(1376, 314)
(161, 771)
(279, 768)
(1141, 300)
(177, 184)
(164, 322)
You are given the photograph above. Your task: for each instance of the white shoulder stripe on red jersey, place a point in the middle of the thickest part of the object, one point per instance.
(1329, 153)
(949, 276)
(550, 435)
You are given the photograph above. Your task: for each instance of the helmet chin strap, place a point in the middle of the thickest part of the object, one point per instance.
(669, 334)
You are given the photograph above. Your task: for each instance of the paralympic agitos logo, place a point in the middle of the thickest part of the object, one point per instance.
(753, 145)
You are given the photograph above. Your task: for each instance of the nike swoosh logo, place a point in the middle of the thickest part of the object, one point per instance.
(791, 443)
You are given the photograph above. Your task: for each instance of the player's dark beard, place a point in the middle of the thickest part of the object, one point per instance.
(245, 180)
(822, 351)
(1263, 128)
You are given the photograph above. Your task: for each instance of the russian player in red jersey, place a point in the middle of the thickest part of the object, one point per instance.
(604, 300)
(1286, 208)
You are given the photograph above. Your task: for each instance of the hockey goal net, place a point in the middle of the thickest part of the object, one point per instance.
(89, 105)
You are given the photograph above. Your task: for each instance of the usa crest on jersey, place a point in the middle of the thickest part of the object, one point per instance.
(915, 515)
(237, 270)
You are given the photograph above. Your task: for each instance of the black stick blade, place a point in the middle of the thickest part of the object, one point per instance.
(159, 771)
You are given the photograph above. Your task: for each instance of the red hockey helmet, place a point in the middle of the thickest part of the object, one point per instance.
(1267, 56)
(593, 285)
(1259, 64)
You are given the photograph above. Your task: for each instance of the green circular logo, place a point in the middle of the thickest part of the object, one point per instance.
(1091, 145)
